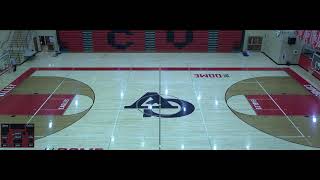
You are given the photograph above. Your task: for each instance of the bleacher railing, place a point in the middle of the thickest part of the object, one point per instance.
(17, 50)
(4, 62)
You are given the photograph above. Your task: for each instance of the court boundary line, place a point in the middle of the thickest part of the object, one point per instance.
(202, 117)
(159, 108)
(301, 80)
(119, 110)
(158, 68)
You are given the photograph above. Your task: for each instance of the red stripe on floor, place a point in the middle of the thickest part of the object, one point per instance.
(304, 83)
(291, 105)
(56, 105)
(263, 105)
(29, 104)
(23, 76)
(297, 77)
(7, 90)
(158, 68)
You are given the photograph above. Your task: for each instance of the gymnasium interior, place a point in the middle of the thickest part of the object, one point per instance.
(160, 89)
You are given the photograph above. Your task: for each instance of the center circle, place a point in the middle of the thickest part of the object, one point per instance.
(176, 108)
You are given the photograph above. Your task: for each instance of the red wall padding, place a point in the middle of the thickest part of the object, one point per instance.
(71, 40)
(229, 40)
(305, 63)
(199, 42)
(317, 75)
(101, 44)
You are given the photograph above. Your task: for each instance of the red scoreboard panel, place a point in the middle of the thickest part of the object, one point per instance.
(17, 135)
(118, 40)
(181, 41)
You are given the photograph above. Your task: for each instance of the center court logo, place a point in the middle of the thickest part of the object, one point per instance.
(153, 104)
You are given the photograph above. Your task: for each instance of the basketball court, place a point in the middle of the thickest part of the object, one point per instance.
(162, 101)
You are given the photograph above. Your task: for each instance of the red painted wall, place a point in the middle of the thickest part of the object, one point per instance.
(71, 40)
(198, 43)
(163, 41)
(229, 40)
(134, 42)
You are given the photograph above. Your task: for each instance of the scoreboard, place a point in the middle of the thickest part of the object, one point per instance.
(17, 135)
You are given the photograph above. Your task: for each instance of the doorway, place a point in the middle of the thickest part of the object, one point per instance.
(47, 43)
(35, 42)
(255, 43)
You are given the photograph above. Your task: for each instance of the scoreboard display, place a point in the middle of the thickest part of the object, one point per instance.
(17, 135)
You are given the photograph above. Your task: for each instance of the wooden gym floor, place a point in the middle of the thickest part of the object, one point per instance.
(163, 101)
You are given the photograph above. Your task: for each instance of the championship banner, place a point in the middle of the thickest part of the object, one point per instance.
(311, 37)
